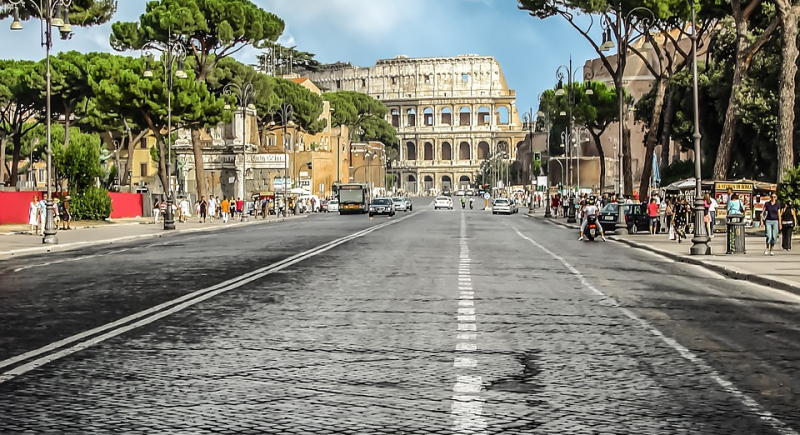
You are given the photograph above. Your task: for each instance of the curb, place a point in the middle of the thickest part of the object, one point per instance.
(47, 249)
(767, 281)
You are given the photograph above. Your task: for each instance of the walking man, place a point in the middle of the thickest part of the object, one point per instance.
(652, 211)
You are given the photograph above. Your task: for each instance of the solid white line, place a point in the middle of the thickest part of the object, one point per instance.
(751, 404)
(162, 310)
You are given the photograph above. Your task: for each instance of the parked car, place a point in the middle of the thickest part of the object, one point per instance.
(399, 204)
(446, 192)
(504, 205)
(636, 218)
(443, 202)
(470, 192)
(323, 206)
(381, 206)
(333, 205)
(460, 193)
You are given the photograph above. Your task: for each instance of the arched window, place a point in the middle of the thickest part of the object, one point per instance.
(395, 118)
(427, 116)
(447, 116)
(483, 151)
(501, 115)
(483, 116)
(464, 116)
(447, 151)
(427, 151)
(411, 184)
(428, 183)
(464, 182)
(411, 116)
(411, 151)
(464, 151)
(447, 182)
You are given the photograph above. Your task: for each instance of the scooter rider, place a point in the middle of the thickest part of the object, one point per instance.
(463, 202)
(591, 210)
(471, 200)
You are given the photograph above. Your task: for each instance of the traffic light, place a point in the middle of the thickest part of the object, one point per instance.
(308, 165)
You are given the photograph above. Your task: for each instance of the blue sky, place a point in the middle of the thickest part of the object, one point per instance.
(362, 31)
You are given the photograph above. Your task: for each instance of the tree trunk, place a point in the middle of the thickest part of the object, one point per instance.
(787, 91)
(162, 165)
(17, 157)
(627, 164)
(652, 138)
(722, 162)
(199, 170)
(666, 129)
(600, 153)
(67, 114)
(3, 144)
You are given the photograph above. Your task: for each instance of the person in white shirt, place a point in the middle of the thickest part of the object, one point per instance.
(712, 211)
(212, 208)
(185, 213)
(591, 209)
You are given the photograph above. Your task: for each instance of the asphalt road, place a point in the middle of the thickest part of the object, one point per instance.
(433, 322)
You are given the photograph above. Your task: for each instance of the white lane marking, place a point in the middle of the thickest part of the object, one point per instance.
(466, 303)
(466, 318)
(69, 260)
(163, 310)
(467, 327)
(468, 384)
(467, 336)
(751, 404)
(463, 362)
(466, 346)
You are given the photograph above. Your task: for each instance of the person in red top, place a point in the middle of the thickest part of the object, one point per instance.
(652, 211)
(554, 205)
(240, 208)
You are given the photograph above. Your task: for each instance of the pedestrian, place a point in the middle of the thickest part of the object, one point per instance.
(225, 207)
(788, 220)
(669, 213)
(66, 217)
(652, 211)
(185, 214)
(42, 207)
(163, 208)
(203, 209)
(707, 214)
(770, 217)
(264, 207)
(33, 215)
(681, 219)
(156, 211)
(712, 211)
(240, 208)
(212, 208)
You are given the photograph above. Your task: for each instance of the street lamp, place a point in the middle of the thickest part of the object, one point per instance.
(285, 113)
(245, 95)
(175, 53)
(621, 27)
(700, 239)
(528, 121)
(52, 13)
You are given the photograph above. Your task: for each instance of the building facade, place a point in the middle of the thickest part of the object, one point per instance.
(451, 113)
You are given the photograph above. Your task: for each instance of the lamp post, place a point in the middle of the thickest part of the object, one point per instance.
(700, 239)
(528, 121)
(52, 13)
(175, 52)
(245, 95)
(285, 114)
(621, 28)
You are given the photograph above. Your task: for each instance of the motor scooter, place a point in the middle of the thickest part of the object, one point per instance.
(471, 202)
(591, 231)
(463, 205)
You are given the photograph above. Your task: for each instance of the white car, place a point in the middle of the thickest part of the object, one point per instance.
(504, 205)
(333, 205)
(443, 202)
(400, 204)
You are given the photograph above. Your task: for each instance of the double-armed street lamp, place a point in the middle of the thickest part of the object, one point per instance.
(528, 122)
(700, 239)
(175, 54)
(52, 13)
(285, 114)
(245, 96)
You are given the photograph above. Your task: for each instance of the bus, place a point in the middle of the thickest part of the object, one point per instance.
(353, 198)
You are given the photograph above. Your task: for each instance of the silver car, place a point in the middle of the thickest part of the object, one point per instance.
(399, 204)
(504, 205)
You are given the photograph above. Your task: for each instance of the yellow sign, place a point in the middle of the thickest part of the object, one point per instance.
(734, 187)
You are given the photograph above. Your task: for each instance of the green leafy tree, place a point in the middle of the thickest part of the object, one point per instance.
(364, 116)
(79, 161)
(81, 12)
(210, 30)
(19, 106)
(789, 188)
(278, 60)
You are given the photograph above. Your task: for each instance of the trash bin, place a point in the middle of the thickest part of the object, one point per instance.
(736, 225)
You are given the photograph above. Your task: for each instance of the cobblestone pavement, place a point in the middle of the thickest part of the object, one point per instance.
(447, 322)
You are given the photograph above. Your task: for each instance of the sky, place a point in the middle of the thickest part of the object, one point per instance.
(361, 32)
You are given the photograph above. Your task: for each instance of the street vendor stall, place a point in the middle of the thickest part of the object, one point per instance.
(723, 190)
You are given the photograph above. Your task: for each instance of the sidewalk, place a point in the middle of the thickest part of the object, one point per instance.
(781, 271)
(96, 233)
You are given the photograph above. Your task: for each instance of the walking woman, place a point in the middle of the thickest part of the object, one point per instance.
(707, 215)
(33, 215)
(788, 221)
(770, 217)
(203, 209)
(681, 219)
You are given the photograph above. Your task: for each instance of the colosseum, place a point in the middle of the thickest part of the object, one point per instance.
(451, 113)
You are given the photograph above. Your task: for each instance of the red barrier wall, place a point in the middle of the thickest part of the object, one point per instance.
(14, 205)
(126, 205)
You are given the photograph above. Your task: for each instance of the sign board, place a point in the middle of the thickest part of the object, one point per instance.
(266, 161)
(277, 184)
(231, 161)
(303, 173)
(745, 192)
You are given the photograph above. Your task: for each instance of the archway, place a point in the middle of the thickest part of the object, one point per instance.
(483, 151)
(464, 116)
(464, 182)
(411, 117)
(447, 151)
(411, 151)
(428, 183)
(483, 116)
(427, 151)
(463, 151)
(447, 182)
(427, 116)
(502, 116)
(447, 116)
(411, 184)
(395, 118)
